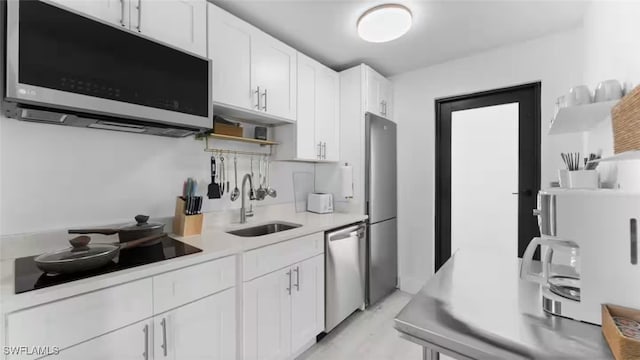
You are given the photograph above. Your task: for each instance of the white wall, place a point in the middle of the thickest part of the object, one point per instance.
(55, 177)
(612, 51)
(555, 60)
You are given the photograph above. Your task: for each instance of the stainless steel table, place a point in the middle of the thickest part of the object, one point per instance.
(476, 307)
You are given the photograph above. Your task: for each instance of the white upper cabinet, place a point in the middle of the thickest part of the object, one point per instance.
(316, 134)
(328, 113)
(113, 11)
(379, 94)
(230, 50)
(181, 23)
(273, 75)
(304, 136)
(254, 74)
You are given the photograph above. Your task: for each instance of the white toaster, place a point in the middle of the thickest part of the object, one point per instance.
(320, 203)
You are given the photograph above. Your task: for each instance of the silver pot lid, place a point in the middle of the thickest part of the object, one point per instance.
(76, 253)
(142, 224)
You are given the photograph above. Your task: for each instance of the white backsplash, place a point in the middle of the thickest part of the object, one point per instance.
(57, 177)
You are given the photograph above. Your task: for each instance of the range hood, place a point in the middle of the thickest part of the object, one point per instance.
(66, 68)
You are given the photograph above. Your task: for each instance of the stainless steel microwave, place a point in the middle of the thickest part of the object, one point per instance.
(67, 68)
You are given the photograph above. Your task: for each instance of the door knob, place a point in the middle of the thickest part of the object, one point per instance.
(527, 192)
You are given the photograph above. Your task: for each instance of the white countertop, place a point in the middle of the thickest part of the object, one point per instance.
(214, 242)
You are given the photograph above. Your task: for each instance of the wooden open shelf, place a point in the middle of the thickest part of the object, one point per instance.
(242, 139)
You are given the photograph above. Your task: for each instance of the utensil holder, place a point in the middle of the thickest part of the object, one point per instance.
(563, 178)
(584, 179)
(621, 346)
(186, 225)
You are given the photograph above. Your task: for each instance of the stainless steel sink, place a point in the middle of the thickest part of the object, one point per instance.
(265, 229)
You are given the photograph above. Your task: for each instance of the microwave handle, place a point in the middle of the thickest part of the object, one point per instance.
(139, 27)
(122, 12)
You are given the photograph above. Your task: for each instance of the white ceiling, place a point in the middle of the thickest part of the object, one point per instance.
(442, 30)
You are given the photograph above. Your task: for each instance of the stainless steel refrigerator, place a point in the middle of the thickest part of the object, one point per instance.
(381, 206)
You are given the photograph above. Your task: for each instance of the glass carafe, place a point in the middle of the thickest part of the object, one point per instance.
(560, 266)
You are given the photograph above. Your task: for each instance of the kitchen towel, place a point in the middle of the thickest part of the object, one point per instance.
(346, 181)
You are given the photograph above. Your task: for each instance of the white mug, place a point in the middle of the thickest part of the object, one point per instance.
(608, 90)
(578, 95)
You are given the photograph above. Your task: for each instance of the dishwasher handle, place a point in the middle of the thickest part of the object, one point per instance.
(347, 233)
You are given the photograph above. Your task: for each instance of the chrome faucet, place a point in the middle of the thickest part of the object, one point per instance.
(243, 210)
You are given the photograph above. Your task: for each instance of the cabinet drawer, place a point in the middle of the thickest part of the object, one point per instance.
(181, 286)
(67, 322)
(269, 258)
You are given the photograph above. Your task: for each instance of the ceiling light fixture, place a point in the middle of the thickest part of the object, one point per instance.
(384, 23)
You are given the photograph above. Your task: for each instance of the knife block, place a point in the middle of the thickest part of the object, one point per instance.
(186, 225)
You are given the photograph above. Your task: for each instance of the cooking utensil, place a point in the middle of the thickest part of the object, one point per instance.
(252, 193)
(221, 179)
(140, 229)
(226, 177)
(213, 192)
(571, 160)
(236, 192)
(83, 256)
(261, 193)
(270, 191)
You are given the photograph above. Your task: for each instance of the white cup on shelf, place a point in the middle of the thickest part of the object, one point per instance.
(578, 95)
(608, 90)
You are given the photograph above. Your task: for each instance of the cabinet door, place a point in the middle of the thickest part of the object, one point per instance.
(273, 69)
(267, 316)
(328, 113)
(129, 343)
(386, 95)
(202, 330)
(113, 11)
(181, 23)
(374, 89)
(307, 144)
(307, 304)
(230, 50)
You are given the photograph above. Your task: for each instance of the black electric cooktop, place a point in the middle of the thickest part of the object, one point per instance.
(28, 277)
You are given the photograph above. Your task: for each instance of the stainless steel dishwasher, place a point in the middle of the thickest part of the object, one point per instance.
(345, 277)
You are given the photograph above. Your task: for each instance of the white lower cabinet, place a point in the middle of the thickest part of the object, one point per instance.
(202, 330)
(284, 310)
(307, 304)
(129, 343)
(188, 313)
(267, 316)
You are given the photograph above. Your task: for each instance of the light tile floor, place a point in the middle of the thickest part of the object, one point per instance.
(368, 335)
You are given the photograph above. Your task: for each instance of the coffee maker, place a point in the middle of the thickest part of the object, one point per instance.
(589, 242)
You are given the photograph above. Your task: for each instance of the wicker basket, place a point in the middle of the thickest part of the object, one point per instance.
(623, 348)
(625, 118)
